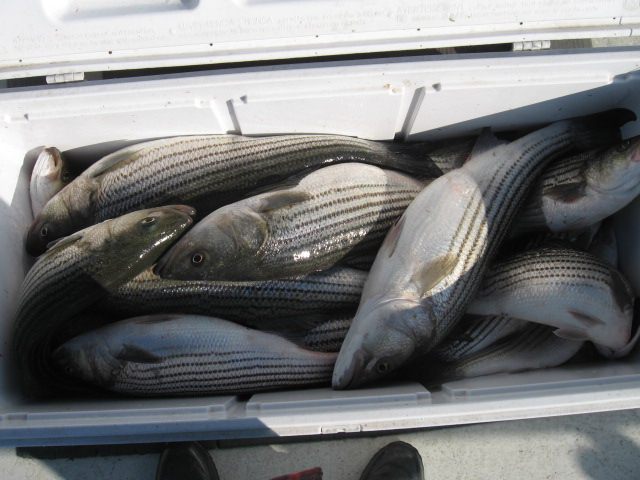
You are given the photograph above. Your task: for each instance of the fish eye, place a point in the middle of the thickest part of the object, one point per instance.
(382, 367)
(148, 220)
(623, 146)
(197, 258)
(44, 232)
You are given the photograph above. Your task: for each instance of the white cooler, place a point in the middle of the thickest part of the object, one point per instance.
(386, 96)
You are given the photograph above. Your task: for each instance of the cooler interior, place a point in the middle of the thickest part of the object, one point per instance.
(414, 98)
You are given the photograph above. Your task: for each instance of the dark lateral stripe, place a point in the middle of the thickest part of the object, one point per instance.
(193, 175)
(502, 199)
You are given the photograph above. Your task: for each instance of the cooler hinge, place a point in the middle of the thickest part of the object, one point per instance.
(65, 77)
(531, 45)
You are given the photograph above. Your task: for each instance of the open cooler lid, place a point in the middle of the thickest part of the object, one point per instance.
(67, 37)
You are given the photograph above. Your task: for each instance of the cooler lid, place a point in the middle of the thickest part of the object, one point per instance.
(45, 37)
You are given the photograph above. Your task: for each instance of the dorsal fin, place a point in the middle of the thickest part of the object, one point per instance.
(486, 141)
(64, 241)
(106, 164)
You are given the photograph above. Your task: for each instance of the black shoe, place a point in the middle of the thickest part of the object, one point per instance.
(396, 461)
(188, 461)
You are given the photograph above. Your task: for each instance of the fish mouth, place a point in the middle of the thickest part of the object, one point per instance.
(346, 378)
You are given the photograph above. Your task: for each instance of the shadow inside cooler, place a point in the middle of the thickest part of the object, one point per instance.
(420, 99)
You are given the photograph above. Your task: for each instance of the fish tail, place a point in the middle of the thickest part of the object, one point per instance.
(601, 129)
(413, 158)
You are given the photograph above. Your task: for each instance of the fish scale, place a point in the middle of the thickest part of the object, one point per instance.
(310, 224)
(207, 172)
(188, 354)
(328, 335)
(330, 229)
(257, 303)
(474, 334)
(564, 265)
(504, 195)
(582, 190)
(567, 170)
(535, 346)
(574, 291)
(453, 228)
(182, 173)
(77, 272)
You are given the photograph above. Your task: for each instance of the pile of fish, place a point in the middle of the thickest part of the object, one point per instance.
(228, 264)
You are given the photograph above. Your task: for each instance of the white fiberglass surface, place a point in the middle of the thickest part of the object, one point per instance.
(66, 36)
(411, 100)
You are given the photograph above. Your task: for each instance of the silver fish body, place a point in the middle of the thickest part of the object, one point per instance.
(78, 271)
(451, 154)
(582, 190)
(432, 261)
(50, 175)
(328, 336)
(533, 347)
(580, 295)
(320, 220)
(206, 171)
(474, 334)
(254, 303)
(187, 355)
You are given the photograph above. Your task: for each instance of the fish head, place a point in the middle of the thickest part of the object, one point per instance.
(226, 245)
(127, 245)
(618, 171)
(380, 340)
(65, 213)
(88, 358)
(49, 164)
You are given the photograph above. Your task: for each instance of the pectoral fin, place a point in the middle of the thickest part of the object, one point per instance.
(566, 193)
(282, 199)
(569, 334)
(433, 272)
(132, 353)
(588, 320)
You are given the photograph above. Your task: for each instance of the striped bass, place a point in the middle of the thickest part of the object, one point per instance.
(432, 261)
(50, 174)
(187, 355)
(577, 293)
(319, 220)
(78, 271)
(328, 336)
(579, 191)
(474, 334)
(205, 171)
(253, 303)
(533, 347)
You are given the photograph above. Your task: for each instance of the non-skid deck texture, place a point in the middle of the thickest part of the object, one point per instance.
(595, 446)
